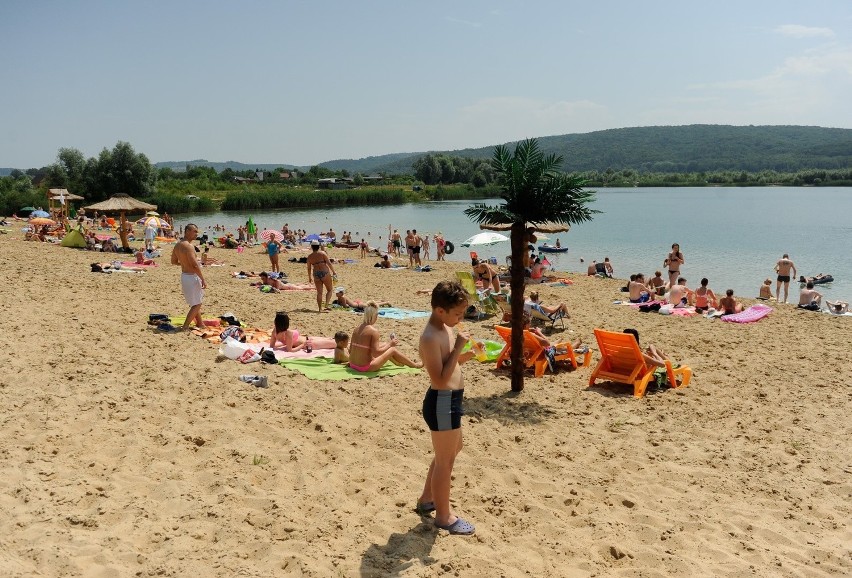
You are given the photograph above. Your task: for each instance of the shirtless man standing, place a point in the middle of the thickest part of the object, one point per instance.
(409, 246)
(191, 279)
(415, 250)
(396, 243)
(783, 268)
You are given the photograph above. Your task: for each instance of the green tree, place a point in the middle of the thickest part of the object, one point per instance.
(534, 192)
(120, 170)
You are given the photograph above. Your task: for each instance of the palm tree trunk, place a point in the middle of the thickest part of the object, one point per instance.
(516, 284)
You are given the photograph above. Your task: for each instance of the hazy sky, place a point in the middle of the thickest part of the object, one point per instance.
(305, 82)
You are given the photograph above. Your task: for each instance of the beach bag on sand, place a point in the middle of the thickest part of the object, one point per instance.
(268, 356)
(232, 349)
(249, 356)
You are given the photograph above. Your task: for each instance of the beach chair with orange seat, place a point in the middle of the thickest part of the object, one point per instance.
(534, 353)
(622, 362)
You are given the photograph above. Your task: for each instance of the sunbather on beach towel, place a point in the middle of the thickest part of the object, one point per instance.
(728, 305)
(278, 285)
(367, 352)
(344, 301)
(291, 340)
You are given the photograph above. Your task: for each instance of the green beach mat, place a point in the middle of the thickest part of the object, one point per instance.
(325, 369)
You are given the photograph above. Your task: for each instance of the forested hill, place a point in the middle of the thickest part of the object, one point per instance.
(693, 148)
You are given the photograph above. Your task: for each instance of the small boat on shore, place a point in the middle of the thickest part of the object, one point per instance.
(551, 249)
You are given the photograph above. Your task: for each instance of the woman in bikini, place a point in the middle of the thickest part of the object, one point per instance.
(279, 285)
(290, 338)
(323, 272)
(673, 262)
(483, 272)
(704, 297)
(366, 352)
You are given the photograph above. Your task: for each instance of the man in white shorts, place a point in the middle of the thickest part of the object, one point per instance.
(192, 279)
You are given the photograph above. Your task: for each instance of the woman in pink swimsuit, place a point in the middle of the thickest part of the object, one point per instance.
(290, 338)
(366, 352)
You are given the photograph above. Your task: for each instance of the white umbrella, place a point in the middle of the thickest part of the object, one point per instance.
(485, 239)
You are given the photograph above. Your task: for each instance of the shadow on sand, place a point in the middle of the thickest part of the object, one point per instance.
(400, 552)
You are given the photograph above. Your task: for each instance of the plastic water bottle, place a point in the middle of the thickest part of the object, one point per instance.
(392, 335)
(308, 347)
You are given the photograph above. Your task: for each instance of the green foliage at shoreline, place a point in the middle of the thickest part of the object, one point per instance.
(808, 177)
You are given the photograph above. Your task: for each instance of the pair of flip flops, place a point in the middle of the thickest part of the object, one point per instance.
(459, 527)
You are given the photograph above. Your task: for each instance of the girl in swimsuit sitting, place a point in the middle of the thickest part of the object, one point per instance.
(704, 297)
(290, 338)
(366, 352)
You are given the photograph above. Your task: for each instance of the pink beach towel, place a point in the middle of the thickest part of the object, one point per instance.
(301, 354)
(683, 311)
(750, 315)
(135, 264)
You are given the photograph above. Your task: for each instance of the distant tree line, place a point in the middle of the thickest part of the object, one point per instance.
(438, 168)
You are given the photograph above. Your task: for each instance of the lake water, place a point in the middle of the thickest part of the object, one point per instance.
(733, 236)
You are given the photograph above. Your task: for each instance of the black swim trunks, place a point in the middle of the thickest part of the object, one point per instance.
(443, 409)
(784, 278)
(415, 250)
(397, 243)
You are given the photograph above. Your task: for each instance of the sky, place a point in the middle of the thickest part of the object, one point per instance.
(303, 82)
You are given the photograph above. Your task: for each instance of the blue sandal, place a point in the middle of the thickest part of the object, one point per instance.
(459, 527)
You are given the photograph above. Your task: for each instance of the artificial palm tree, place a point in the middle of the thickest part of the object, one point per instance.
(535, 192)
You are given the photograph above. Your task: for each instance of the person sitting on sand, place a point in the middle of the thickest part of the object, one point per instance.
(141, 260)
(537, 273)
(341, 347)
(291, 339)
(637, 291)
(593, 269)
(207, 260)
(810, 298)
(385, 262)
(837, 307)
(680, 294)
(728, 305)
(704, 297)
(657, 284)
(766, 290)
(344, 301)
(367, 352)
(278, 285)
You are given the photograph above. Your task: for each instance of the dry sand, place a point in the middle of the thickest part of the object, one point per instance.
(131, 453)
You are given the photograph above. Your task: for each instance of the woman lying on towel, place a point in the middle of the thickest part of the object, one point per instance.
(292, 340)
(344, 301)
(278, 285)
(366, 352)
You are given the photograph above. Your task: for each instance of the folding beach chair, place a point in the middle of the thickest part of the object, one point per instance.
(481, 299)
(538, 314)
(622, 362)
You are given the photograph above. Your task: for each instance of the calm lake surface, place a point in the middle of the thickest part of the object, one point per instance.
(733, 236)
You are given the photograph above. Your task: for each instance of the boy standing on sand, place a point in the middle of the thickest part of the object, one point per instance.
(442, 406)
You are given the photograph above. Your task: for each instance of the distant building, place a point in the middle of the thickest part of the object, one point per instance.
(334, 183)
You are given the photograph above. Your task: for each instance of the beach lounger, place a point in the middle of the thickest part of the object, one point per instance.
(534, 353)
(622, 362)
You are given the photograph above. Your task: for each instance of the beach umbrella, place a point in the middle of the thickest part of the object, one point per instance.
(156, 222)
(314, 237)
(121, 203)
(42, 221)
(485, 240)
(270, 234)
(28, 209)
(545, 227)
(40, 213)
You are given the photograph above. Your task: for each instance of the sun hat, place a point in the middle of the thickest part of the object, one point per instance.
(340, 289)
(315, 243)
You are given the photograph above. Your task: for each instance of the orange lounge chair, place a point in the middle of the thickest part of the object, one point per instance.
(534, 357)
(622, 362)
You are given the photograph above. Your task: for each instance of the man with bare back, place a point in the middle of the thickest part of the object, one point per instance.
(191, 279)
(783, 267)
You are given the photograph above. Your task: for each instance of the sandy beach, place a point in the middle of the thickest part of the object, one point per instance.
(128, 452)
